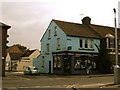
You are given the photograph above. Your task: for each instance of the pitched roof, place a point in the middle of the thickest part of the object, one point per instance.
(14, 49)
(85, 30)
(28, 53)
(4, 25)
(15, 56)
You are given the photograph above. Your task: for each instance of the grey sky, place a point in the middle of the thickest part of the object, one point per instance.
(29, 19)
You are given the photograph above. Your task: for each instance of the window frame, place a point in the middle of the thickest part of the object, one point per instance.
(55, 31)
(81, 43)
(58, 43)
(48, 47)
(110, 43)
(86, 43)
(57, 62)
(49, 34)
(91, 44)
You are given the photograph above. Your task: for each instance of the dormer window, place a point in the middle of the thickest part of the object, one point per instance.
(91, 43)
(110, 41)
(55, 31)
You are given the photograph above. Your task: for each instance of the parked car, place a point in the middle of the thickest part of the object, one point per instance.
(31, 70)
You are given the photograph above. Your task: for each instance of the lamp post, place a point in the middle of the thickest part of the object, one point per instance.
(116, 38)
(116, 68)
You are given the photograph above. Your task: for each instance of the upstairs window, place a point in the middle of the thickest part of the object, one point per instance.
(86, 43)
(48, 48)
(58, 44)
(81, 43)
(49, 34)
(110, 43)
(55, 31)
(91, 43)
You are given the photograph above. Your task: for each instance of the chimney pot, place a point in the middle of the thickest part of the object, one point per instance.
(86, 20)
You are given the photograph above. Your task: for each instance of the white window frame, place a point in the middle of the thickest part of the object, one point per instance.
(91, 43)
(86, 43)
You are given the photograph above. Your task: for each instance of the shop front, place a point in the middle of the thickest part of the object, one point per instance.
(74, 63)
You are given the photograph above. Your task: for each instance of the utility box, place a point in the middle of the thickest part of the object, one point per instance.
(116, 75)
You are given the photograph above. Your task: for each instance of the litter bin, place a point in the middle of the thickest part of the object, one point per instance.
(116, 75)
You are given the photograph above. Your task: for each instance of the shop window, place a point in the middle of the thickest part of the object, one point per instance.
(79, 64)
(57, 62)
(84, 63)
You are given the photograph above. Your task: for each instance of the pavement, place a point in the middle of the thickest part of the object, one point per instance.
(60, 81)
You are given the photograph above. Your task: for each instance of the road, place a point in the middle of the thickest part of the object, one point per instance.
(19, 80)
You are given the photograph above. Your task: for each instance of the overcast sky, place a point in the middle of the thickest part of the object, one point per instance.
(29, 19)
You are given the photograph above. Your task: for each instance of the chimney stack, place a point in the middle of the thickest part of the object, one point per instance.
(86, 20)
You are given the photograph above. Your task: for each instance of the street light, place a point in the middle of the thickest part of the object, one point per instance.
(116, 68)
(116, 38)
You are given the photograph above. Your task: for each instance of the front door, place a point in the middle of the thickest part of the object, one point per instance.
(49, 67)
(67, 64)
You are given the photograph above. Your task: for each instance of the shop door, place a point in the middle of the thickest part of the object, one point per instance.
(67, 64)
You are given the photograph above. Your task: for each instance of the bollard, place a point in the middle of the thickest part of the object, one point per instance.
(116, 75)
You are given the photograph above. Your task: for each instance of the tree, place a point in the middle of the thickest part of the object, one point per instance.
(21, 47)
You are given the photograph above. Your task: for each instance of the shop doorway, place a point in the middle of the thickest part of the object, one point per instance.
(67, 64)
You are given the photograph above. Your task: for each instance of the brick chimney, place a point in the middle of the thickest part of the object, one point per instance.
(86, 20)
